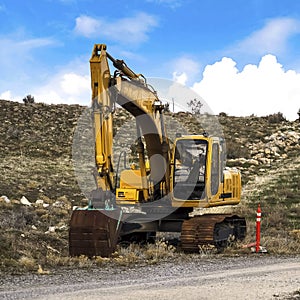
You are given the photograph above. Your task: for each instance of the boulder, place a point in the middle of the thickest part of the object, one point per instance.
(25, 201)
(4, 199)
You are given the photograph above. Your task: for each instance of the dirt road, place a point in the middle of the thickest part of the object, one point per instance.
(255, 277)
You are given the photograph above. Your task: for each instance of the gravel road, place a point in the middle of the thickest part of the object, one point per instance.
(246, 277)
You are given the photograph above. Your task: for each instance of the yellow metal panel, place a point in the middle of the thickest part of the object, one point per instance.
(131, 179)
(126, 195)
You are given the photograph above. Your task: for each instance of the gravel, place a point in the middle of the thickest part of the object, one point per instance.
(214, 276)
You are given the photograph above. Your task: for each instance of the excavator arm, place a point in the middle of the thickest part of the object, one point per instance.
(131, 92)
(102, 117)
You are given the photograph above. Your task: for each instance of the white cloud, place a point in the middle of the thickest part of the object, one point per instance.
(260, 89)
(10, 44)
(14, 51)
(134, 56)
(24, 75)
(180, 77)
(74, 84)
(272, 38)
(30, 44)
(19, 63)
(184, 69)
(70, 85)
(65, 87)
(126, 30)
(6, 95)
(87, 26)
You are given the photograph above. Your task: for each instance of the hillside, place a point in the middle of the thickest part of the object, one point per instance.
(39, 188)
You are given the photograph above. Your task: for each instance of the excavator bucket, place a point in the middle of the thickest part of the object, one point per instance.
(94, 232)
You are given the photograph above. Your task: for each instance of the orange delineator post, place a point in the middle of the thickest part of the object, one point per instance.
(258, 219)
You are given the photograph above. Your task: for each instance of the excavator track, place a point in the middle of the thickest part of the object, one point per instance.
(212, 229)
(94, 232)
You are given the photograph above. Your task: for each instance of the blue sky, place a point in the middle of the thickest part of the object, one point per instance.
(242, 57)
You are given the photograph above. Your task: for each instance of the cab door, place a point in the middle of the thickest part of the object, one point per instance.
(215, 169)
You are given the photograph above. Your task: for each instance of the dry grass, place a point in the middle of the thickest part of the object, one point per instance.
(283, 243)
(150, 253)
(28, 263)
(132, 255)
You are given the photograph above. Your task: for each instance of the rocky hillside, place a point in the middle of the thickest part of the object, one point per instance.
(38, 186)
(37, 139)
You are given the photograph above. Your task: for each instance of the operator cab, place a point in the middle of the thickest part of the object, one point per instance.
(190, 169)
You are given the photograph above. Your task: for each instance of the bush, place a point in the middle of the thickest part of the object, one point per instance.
(195, 105)
(276, 118)
(28, 99)
(236, 150)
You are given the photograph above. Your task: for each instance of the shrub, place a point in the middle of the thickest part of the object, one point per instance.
(28, 263)
(28, 99)
(236, 150)
(195, 106)
(276, 118)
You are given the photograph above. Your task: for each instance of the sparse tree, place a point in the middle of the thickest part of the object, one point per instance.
(28, 99)
(167, 107)
(195, 106)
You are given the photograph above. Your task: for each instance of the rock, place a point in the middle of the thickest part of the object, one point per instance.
(276, 154)
(58, 204)
(264, 160)
(39, 201)
(51, 229)
(63, 228)
(253, 162)
(280, 144)
(293, 134)
(258, 156)
(33, 227)
(25, 201)
(275, 149)
(242, 160)
(52, 249)
(267, 151)
(4, 199)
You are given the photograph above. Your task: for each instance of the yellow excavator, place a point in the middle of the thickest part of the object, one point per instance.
(170, 180)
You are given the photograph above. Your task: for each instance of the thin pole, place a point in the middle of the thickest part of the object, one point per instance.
(258, 219)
